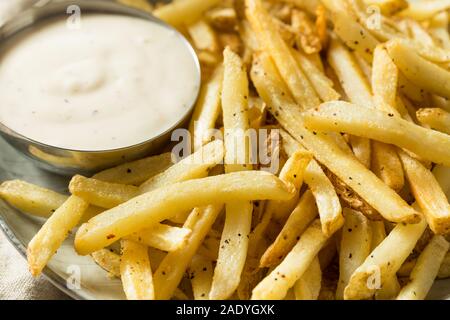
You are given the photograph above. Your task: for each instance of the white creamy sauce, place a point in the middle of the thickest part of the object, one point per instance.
(115, 82)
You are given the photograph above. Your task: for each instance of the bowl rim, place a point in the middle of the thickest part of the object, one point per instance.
(35, 15)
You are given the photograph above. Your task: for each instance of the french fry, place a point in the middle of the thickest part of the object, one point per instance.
(30, 198)
(234, 241)
(206, 110)
(320, 82)
(384, 261)
(201, 273)
(162, 237)
(436, 118)
(291, 269)
(224, 19)
(136, 172)
(327, 201)
(307, 37)
(378, 125)
(362, 149)
(108, 261)
(174, 265)
(183, 12)
(387, 165)
(52, 234)
(422, 10)
(135, 271)
(308, 286)
(388, 7)
(203, 36)
(374, 191)
(195, 166)
(150, 208)
(297, 223)
(384, 80)
(428, 194)
(418, 70)
(425, 270)
(308, 5)
(355, 246)
(442, 175)
(269, 38)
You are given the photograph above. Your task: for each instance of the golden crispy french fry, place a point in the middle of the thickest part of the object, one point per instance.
(341, 116)
(136, 272)
(321, 83)
(387, 165)
(162, 237)
(136, 172)
(270, 39)
(308, 286)
(195, 166)
(52, 234)
(384, 80)
(425, 270)
(350, 75)
(102, 194)
(307, 37)
(174, 265)
(384, 261)
(183, 12)
(148, 209)
(201, 273)
(436, 118)
(108, 261)
(422, 10)
(293, 172)
(203, 36)
(292, 268)
(234, 241)
(327, 201)
(418, 70)
(224, 19)
(362, 181)
(428, 194)
(354, 248)
(30, 198)
(207, 110)
(297, 223)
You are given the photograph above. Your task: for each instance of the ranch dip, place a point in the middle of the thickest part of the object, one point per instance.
(115, 82)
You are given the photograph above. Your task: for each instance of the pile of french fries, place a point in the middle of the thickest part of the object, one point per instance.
(359, 91)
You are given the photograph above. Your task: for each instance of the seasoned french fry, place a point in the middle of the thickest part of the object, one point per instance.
(422, 10)
(384, 80)
(174, 265)
(160, 204)
(374, 191)
(203, 36)
(183, 12)
(285, 275)
(428, 194)
(201, 273)
(387, 165)
(108, 261)
(135, 271)
(195, 166)
(52, 234)
(206, 110)
(378, 125)
(354, 248)
(307, 37)
(297, 223)
(308, 286)
(234, 241)
(425, 270)
(418, 70)
(136, 172)
(384, 261)
(31, 198)
(162, 237)
(436, 118)
(269, 38)
(327, 201)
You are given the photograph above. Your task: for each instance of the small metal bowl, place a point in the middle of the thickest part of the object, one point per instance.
(66, 161)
